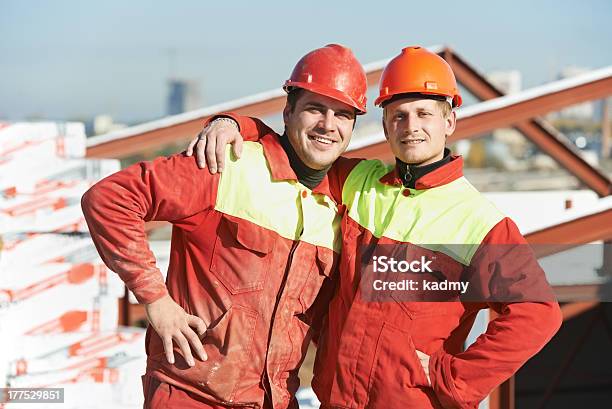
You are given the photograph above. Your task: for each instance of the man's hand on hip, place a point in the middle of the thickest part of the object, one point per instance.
(210, 144)
(172, 323)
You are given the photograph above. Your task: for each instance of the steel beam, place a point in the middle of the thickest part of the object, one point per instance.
(578, 293)
(565, 236)
(469, 77)
(175, 134)
(593, 227)
(513, 113)
(573, 309)
(541, 134)
(559, 148)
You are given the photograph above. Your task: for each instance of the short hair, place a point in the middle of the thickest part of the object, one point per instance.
(292, 97)
(443, 105)
(445, 108)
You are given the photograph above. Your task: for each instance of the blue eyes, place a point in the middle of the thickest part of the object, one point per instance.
(402, 116)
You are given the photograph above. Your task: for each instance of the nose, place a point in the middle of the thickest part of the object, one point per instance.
(412, 124)
(328, 120)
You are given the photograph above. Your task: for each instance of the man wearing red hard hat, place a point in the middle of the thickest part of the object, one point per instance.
(252, 253)
(384, 346)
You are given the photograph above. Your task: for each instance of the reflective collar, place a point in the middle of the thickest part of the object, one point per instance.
(437, 177)
(280, 168)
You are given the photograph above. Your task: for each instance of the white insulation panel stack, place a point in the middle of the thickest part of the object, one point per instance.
(58, 302)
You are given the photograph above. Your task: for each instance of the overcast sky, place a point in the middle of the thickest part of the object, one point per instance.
(73, 59)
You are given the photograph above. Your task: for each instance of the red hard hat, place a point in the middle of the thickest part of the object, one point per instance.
(332, 71)
(418, 70)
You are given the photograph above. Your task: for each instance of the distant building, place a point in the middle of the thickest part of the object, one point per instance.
(586, 110)
(183, 95)
(104, 123)
(508, 82)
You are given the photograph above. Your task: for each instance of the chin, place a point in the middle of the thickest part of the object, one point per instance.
(320, 163)
(410, 159)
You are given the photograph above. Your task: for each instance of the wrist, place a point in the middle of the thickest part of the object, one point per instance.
(225, 119)
(159, 300)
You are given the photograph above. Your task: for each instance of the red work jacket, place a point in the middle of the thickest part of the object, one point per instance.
(251, 250)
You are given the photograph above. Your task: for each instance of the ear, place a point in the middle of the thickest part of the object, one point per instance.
(286, 113)
(385, 125)
(451, 123)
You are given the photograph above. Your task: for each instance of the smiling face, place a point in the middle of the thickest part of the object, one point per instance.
(319, 128)
(417, 128)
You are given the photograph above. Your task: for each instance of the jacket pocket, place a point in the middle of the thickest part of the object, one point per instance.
(228, 345)
(396, 368)
(321, 269)
(241, 255)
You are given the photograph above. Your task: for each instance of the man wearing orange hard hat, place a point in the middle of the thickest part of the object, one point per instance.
(252, 253)
(388, 347)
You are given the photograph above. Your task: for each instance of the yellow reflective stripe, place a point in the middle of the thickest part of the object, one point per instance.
(453, 214)
(366, 198)
(247, 191)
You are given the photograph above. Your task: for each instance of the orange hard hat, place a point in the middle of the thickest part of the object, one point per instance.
(418, 70)
(332, 71)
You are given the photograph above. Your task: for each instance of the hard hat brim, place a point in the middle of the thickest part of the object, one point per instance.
(328, 92)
